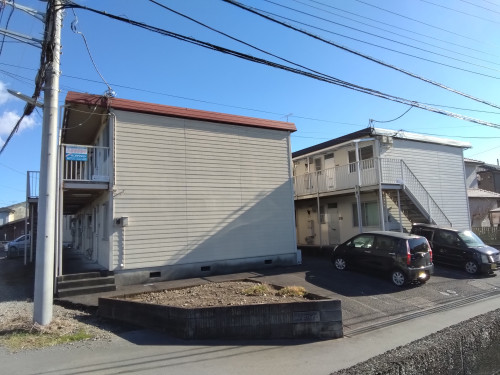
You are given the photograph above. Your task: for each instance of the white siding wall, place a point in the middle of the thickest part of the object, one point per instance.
(440, 169)
(199, 192)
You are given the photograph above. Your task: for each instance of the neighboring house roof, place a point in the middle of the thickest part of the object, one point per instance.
(480, 193)
(97, 101)
(472, 161)
(490, 168)
(371, 132)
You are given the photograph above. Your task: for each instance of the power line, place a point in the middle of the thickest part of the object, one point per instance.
(459, 11)
(368, 43)
(415, 20)
(6, 25)
(389, 31)
(322, 77)
(413, 32)
(397, 118)
(379, 36)
(254, 11)
(110, 92)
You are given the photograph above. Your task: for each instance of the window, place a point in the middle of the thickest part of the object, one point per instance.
(317, 164)
(364, 241)
(365, 157)
(369, 214)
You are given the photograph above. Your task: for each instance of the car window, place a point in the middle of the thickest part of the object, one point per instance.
(363, 241)
(446, 238)
(427, 234)
(418, 245)
(389, 244)
(470, 238)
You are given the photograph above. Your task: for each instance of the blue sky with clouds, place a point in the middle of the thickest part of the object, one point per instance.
(453, 42)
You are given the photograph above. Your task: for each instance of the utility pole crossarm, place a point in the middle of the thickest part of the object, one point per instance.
(32, 12)
(22, 38)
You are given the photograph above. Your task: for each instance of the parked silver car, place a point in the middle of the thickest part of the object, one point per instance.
(16, 247)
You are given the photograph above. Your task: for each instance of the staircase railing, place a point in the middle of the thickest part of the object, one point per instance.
(418, 193)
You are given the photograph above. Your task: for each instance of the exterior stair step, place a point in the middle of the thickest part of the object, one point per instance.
(85, 283)
(79, 283)
(85, 290)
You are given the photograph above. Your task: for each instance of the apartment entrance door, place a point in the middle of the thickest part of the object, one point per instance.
(333, 224)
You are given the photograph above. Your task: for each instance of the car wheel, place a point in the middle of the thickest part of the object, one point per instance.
(398, 278)
(471, 267)
(340, 263)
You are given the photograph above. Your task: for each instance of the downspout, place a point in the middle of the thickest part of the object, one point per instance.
(112, 180)
(379, 177)
(466, 195)
(290, 177)
(319, 212)
(26, 216)
(357, 188)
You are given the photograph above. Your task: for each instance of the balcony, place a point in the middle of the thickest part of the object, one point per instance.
(371, 173)
(85, 173)
(339, 178)
(85, 163)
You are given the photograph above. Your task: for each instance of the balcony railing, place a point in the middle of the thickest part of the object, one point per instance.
(337, 178)
(371, 172)
(32, 184)
(85, 163)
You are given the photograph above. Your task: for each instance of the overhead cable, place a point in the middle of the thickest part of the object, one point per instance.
(390, 31)
(254, 11)
(459, 11)
(320, 77)
(413, 32)
(379, 36)
(109, 92)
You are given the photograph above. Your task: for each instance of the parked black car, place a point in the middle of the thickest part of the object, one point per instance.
(460, 248)
(406, 257)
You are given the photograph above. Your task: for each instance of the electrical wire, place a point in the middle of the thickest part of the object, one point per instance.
(368, 43)
(459, 11)
(324, 78)
(7, 26)
(421, 22)
(391, 32)
(413, 32)
(397, 118)
(254, 11)
(68, 88)
(378, 36)
(110, 92)
(46, 56)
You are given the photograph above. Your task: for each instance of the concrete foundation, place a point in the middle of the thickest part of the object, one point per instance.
(316, 319)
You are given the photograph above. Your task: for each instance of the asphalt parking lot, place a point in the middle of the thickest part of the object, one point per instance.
(369, 301)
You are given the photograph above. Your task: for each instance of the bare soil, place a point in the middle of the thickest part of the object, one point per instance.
(231, 293)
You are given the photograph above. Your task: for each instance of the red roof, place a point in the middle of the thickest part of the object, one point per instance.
(165, 110)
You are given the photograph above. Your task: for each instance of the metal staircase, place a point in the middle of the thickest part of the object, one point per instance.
(416, 202)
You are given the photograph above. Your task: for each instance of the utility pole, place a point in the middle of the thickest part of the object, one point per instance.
(45, 244)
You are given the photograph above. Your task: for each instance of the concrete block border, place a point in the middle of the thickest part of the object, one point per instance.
(319, 318)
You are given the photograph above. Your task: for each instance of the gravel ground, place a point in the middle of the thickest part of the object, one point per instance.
(16, 308)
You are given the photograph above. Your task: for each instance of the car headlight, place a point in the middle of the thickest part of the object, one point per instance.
(486, 258)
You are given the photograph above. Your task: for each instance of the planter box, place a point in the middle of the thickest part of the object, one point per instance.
(316, 319)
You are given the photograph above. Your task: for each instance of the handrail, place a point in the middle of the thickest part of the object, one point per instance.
(421, 194)
(388, 171)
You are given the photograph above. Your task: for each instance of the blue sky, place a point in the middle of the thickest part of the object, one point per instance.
(453, 42)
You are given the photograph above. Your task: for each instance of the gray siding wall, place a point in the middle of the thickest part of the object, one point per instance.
(440, 169)
(199, 192)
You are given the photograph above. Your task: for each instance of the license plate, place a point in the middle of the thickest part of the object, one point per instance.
(493, 266)
(422, 275)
